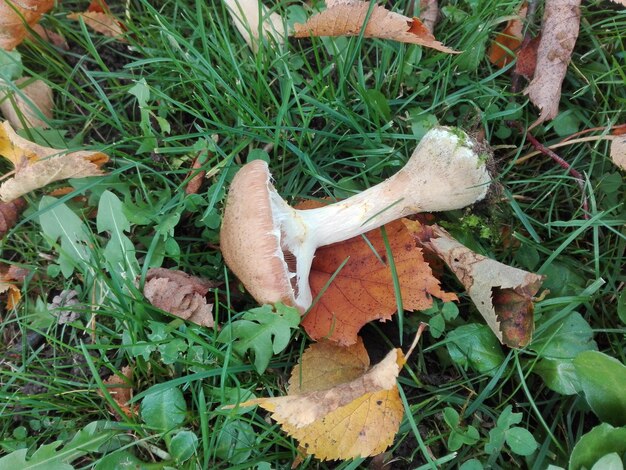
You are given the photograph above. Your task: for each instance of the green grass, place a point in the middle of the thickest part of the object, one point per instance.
(334, 116)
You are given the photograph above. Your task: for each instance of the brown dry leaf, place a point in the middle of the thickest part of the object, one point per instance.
(618, 151)
(559, 31)
(429, 14)
(98, 17)
(357, 416)
(527, 58)
(502, 294)
(16, 16)
(620, 2)
(509, 39)
(49, 36)
(363, 290)
(26, 106)
(197, 177)
(346, 18)
(9, 213)
(121, 390)
(36, 166)
(180, 294)
(8, 276)
(245, 15)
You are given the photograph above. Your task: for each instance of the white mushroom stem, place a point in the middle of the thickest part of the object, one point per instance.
(445, 172)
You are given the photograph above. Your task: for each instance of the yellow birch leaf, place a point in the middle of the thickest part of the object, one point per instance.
(357, 418)
(37, 166)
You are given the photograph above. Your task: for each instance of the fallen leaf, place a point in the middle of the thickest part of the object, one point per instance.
(325, 365)
(429, 14)
(36, 166)
(9, 213)
(527, 58)
(15, 18)
(26, 106)
(250, 16)
(620, 2)
(357, 417)
(559, 31)
(99, 18)
(121, 390)
(8, 276)
(509, 40)
(59, 307)
(49, 36)
(618, 151)
(502, 294)
(180, 294)
(347, 17)
(363, 290)
(196, 177)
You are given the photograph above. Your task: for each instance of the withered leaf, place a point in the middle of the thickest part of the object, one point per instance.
(26, 106)
(527, 58)
(509, 39)
(180, 294)
(121, 390)
(618, 151)
(429, 14)
(347, 17)
(9, 213)
(103, 23)
(363, 290)
(502, 294)
(559, 31)
(355, 418)
(36, 166)
(15, 16)
(245, 15)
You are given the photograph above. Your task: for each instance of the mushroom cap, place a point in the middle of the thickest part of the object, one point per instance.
(250, 237)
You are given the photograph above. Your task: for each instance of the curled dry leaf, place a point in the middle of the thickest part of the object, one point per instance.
(338, 408)
(9, 213)
(347, 17)
(8, 276)
(363, 290)
(63, 306)
(250, 16)
(559, 31)
(527, 58)
(36, 166)
(16, 16)
(121, 390)
(98, 17)
(27, 105)
(429, 14)
(196, 176)
(509, 39)
(502, 294)
(180, 294)
(618, 151)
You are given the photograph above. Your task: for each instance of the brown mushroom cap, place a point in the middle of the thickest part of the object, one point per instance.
(250, 238)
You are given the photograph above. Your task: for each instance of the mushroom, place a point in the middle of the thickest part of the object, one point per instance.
(270, 246)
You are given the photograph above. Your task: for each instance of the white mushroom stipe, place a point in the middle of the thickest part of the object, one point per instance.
(259, 229)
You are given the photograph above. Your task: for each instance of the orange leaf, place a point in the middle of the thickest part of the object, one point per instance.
(15, 16)
(347, 17)
(363, 290)
(358, 417)
(509, 39)
(121, 390)
(527, 58)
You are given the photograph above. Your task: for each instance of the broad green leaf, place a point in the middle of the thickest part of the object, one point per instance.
(263, 331)
(183, 445)
(141, 91)
(451, 417)
(436, 325)
(120, 460)
(600, 441)
(496, 440)
(521, 441)
(164, 410)
(53, 456)
(472, 464)
(507, 418)
(603, 381)
(235, 442)
(172, 349)
(559, 375)
(120, 251)
(474, 345)
(621, 307)
(60, 222)
(610, 461)
(564, 339)
(11, 67)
